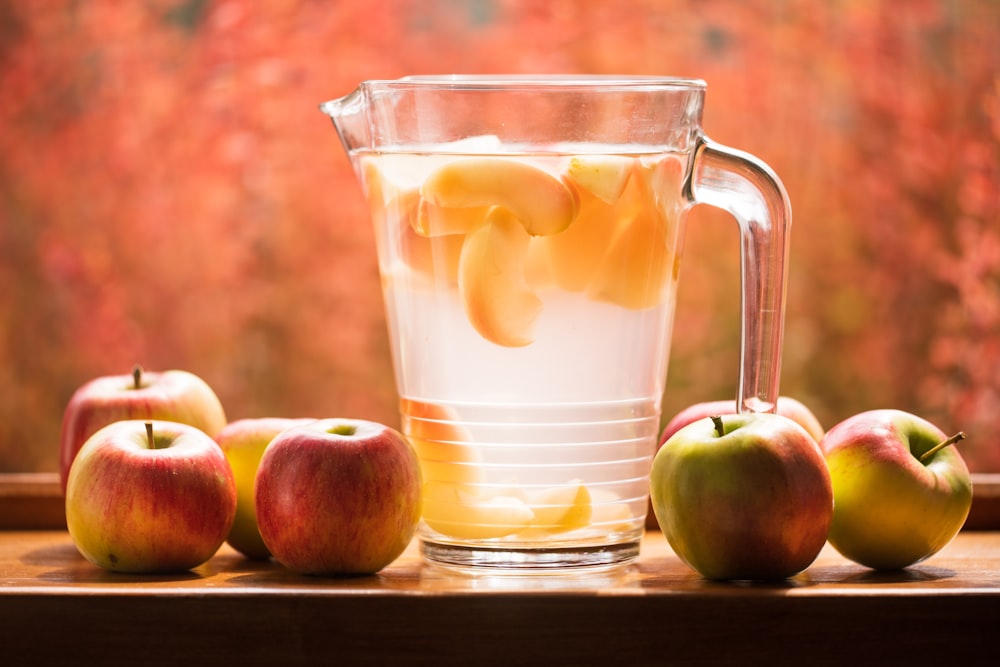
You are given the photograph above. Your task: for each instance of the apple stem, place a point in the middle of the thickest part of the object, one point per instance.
(149, 435)
(719, 428)
(941, 445)
(137, 376)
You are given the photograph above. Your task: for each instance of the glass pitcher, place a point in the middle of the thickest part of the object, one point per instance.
(529, 233)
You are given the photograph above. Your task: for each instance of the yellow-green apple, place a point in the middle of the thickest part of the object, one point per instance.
(787, 407)
(743, 496)
(149, 496)
(174, 395)
(901, 490)
(338, 496)
(243, 442)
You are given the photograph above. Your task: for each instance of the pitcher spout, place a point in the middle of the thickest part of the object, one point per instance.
(350, 118)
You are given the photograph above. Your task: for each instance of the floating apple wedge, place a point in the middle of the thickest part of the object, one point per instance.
(491, 280)
(604, 176)
(434, 220)
(393, 191)
(538, 266)
(638, 260)
(392, 185)
(561, 508)
(460, 511)
(570, 257)
(433, 258)
(542, 202)
(617, 249)
(446, 461)
(661, 177)
(637, 264)
(442, 444)
(609, 511)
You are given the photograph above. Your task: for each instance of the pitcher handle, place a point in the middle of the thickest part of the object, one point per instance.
(751, 192)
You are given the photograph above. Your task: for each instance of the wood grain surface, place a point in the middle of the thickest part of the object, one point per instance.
(56, 608)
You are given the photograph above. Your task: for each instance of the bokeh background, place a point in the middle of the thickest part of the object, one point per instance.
(171, 196)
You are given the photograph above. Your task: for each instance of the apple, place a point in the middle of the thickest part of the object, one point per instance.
(901, 491)
(174, 395)
(787, 406)
(149, 497)
(243, 442)
(338, 496)
(743, 497)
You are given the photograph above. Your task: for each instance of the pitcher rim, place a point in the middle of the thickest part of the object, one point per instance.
(553, 81)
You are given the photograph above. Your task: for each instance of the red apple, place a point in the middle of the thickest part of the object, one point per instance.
(338, 496)
(149, 497)
(787, 407)
(243, 442)
(743, 496)
(177, 396)
(901, 490)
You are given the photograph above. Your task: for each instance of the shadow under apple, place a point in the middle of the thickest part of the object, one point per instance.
(856, 574)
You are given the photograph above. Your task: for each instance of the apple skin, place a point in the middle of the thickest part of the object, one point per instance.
(891, 510)
(243, 442)
(753, 504)
(174, 395)
(787, 407)
(130, 508)
(338, 497)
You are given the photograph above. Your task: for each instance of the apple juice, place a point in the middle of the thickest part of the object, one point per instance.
(529, 298)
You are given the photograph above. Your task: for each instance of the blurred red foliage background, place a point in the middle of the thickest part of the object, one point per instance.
(170, 194)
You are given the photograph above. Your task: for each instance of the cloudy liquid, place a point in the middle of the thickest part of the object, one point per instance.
(535, 439)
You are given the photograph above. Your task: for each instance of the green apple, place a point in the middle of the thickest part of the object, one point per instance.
(243, 442)
(743, 497)
(177, 396)
(148, 497)
(901, 491)
(338, 496)
(786, 406)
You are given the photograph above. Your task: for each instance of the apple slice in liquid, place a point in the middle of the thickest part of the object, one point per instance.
(639, 259)
(609, 511)
(453, 502)
(443, 445)
(541, 201)
(603, 176)
(394, 196)
(391, 184)
(460, 511)
(433, 220)
(571, 257)
(491, 280)
(559, 509)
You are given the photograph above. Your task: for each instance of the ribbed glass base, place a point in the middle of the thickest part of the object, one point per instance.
(528, 561)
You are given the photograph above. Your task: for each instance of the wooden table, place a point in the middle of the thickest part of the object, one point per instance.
(56, 608)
